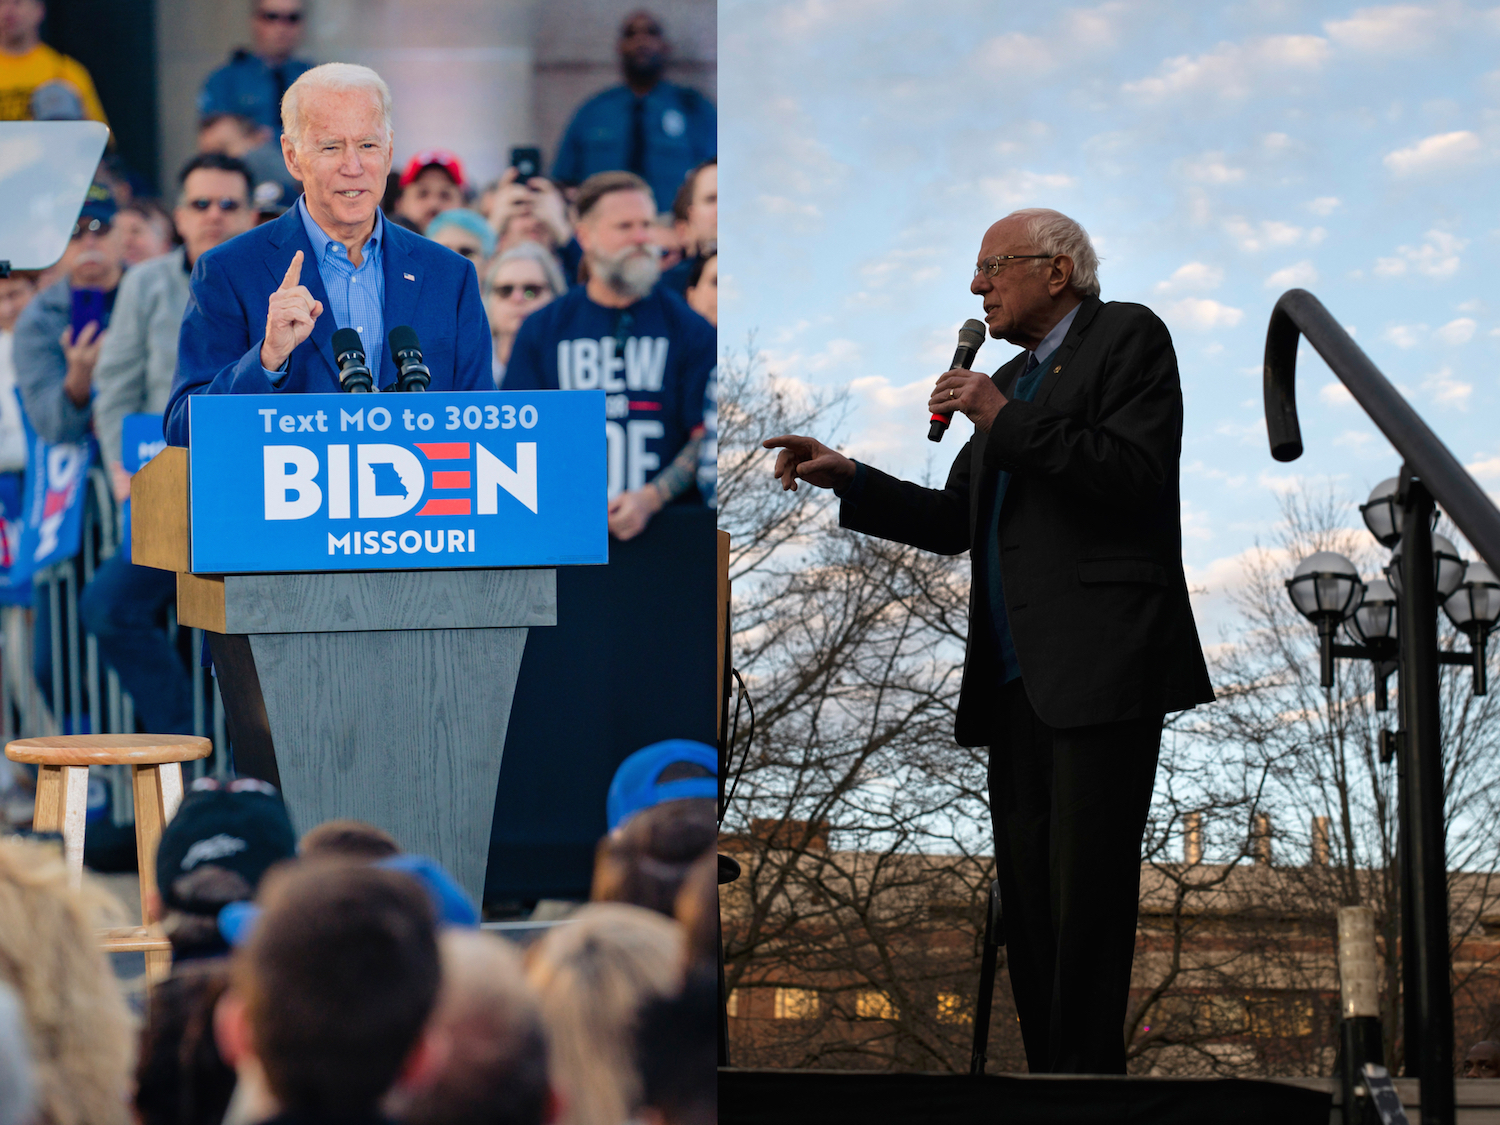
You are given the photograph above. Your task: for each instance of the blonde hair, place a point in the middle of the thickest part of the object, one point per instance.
(78, 1028)
(594, 975)
(333, 76)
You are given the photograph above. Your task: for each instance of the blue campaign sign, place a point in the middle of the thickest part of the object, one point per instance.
(141, 440)
(52, 521)
(397, 482)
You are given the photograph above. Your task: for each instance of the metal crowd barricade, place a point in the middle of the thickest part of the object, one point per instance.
(86, 695)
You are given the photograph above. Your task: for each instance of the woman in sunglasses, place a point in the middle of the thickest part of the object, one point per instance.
(519, 282)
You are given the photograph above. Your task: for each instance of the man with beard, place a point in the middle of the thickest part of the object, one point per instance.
(648, 126)
(624, 334)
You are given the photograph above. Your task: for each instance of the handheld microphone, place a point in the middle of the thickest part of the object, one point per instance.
(407, 355)
(349, 354)
(970, 340)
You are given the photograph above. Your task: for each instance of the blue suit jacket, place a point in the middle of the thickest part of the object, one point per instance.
(427, 286)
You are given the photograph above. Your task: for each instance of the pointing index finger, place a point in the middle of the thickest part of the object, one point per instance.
(293, 276)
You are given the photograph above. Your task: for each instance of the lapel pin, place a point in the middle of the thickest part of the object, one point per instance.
(409, 277)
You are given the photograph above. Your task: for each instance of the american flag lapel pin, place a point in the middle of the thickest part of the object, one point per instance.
(409, 277)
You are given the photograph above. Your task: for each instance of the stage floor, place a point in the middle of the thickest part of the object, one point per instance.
(792, 1097)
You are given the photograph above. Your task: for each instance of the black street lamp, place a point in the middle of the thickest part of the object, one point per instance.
(1398, 634)
(1474, 607)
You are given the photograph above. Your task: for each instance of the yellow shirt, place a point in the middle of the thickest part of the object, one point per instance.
(20, 75)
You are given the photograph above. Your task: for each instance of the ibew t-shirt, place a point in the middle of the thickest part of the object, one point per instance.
(652, 359)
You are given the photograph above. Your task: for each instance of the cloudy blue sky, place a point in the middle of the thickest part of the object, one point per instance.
(1217, 153)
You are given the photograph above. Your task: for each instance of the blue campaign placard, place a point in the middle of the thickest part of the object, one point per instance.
(397, 482)
(140, 440)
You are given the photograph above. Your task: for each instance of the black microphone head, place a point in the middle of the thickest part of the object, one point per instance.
(403, 339)
(346, 342)
(972, 334)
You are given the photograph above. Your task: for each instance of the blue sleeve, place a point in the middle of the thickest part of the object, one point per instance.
(523, 371)
(571, 257)
(214, 97)
(705, 130)
(215, 354)
(473, 354)
(567, 166)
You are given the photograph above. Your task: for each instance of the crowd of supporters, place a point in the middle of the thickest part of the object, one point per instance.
(602, 275)
(336, 977)
(340, 979)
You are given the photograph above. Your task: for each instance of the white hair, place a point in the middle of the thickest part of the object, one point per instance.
(1053, 233)
(333, 76)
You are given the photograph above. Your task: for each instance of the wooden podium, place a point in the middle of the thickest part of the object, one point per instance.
(378, 695)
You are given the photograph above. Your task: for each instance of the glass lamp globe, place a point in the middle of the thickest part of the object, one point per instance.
(1325, 586)
(1373, 622)
(1448, 566)
(1475, 605)
(1380, 513)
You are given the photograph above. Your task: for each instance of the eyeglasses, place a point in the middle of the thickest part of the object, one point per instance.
(90, 226)
(530, 292)
(293, 18)
(225, 205)
(991, 266)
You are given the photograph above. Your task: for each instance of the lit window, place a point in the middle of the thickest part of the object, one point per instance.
(796, 1004)
(732, 1005)
(874, 1006)
(952, 1008)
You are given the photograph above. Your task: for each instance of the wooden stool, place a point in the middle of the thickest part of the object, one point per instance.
(62, 787)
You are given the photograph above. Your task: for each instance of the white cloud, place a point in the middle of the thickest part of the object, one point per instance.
(1203, 314)
(1392, 29)
(1293, 276)
(1335, 394)
(911, 265)
(1325, 205)
(1253, 237)
(1447, 390)
(782, 207)
(1436, 257)
(1005, 52)
(1233, 70)
(1194, 277)
(1018, 188)
(1405, 335)
(1437, 152)
(1210, 168)
(1455, 332)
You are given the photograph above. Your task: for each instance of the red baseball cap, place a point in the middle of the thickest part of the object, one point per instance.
(434, 158)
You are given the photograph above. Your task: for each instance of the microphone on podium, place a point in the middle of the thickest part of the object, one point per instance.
(349, 354)
(970, 340)
(407, 355)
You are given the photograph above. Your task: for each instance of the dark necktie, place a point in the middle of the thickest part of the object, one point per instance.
(1031, 364)
(635, 155)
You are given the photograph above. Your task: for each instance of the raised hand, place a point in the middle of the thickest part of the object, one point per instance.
(805, 458)
(290, 317)
(81, 355)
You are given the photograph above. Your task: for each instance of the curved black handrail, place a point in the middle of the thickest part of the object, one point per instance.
(1298, 312)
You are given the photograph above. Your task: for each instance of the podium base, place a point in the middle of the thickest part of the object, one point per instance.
(338, 689)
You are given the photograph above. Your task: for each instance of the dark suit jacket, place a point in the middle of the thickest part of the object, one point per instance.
(1090, 531)
(427, 286)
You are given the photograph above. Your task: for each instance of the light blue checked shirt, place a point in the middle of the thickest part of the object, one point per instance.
(356, 297)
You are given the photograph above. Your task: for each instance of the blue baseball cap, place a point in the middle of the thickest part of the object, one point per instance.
(99, 203)
(467, 220)
(452, 906)
(638, 783)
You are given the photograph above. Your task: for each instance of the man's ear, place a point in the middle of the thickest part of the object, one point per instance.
(289, 155)
(232, 1029)
(427, 1059)
(1062, 274)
